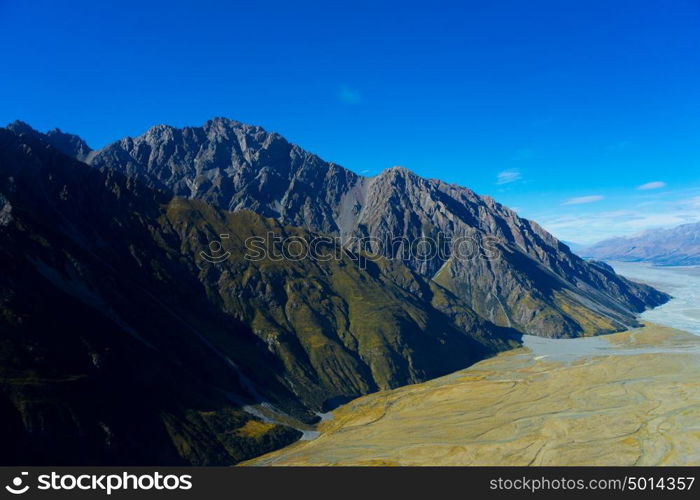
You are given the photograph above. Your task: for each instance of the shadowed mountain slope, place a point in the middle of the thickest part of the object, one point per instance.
(123, 343)
(516, 274)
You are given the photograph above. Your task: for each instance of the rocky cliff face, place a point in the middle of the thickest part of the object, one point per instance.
(679, 246)
(69, 144)
(510, 270)
(127, 339)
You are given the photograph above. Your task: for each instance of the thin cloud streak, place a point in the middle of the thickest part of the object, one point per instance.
(583, 199)
(592, 227)
(652, 185)
(508, 176)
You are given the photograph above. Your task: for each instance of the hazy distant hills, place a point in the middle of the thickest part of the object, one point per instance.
(679, 246)
(123, 343)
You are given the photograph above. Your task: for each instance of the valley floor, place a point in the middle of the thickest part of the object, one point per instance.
(631, 398)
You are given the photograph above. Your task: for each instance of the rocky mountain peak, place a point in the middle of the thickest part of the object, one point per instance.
(398, 170)
(107, 289)
(527, 279)
(20, 127)
(68, 144)
(223, 123)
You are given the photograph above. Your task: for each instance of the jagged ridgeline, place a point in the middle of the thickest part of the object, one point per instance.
(122, 343)
(535, 283)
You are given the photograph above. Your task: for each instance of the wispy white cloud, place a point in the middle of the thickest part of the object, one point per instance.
(692, 203)
(591, 227)
(349, 95)
(652, 185)
(508, 176)
(583, 199)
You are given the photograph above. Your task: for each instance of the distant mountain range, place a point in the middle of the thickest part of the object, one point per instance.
(679, 246)
(125, 342)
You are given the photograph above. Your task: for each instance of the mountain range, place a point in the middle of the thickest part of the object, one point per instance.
(678, 246)
(532, 285)
(123, 341)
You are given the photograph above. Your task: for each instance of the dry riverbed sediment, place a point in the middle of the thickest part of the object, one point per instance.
(631, 398)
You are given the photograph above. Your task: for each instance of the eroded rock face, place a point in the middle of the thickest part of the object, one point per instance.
(69, 144)
(121, 343)
(103, 291)
(519, 275)
(5, 211)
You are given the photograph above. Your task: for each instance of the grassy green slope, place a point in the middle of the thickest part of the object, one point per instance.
(120, 344)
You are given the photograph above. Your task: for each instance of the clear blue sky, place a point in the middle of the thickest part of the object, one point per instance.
(558, 108)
